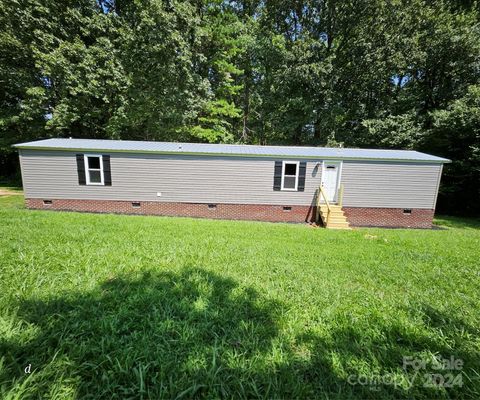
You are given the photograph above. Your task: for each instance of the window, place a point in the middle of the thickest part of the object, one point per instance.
(290, 175)
(94, 169)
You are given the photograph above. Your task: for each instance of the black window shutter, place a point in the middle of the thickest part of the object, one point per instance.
(301, 176)
(107, 172)
(277, 177)
(81, 169)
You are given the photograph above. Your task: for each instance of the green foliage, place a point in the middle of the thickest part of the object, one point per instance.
(222, 40)
(159, 44)
(395, 131)
(456, 135)
(87, 89)
(365, 74)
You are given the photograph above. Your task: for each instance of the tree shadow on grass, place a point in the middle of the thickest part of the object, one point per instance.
(160, 335)
(394, 360)
(456, 222)
(196, 334)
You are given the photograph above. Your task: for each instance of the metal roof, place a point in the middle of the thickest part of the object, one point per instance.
(228, 150)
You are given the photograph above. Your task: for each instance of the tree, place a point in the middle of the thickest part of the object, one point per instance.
(222, 46)
(367, 73)
(455, 134)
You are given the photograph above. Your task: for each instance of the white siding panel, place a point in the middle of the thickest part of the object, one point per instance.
(390, 185)
(190, 179)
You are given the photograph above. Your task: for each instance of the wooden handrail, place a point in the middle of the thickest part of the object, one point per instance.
(321, 192)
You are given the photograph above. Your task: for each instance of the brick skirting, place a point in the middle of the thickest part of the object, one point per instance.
(389, 217)
(256, 212)
(356, 216)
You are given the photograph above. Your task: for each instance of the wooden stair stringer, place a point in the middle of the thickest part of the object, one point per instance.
(337, 218)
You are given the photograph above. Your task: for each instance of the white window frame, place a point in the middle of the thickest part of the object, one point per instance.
(297, 163)
(87, 170)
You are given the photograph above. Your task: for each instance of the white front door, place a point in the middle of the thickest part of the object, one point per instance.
(330, 178)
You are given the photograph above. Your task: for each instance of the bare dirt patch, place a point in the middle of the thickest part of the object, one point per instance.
(10, 192)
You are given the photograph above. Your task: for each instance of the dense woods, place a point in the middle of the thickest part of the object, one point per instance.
(362, 73)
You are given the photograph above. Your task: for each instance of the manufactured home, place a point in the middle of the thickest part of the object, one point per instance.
(338, 187)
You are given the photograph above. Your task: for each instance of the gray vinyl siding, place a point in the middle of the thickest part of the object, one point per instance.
(390, 185)
(51, 174)
(190, 179)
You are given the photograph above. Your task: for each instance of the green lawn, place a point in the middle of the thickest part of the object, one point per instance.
(106, 306)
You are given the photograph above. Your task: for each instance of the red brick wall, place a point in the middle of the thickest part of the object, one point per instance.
(389, 217)
(356, 216)
(258, 212)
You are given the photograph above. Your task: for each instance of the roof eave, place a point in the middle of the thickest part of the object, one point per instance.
(26, 147)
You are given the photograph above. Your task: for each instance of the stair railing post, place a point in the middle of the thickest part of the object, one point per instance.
(322, 192)
(340, 195)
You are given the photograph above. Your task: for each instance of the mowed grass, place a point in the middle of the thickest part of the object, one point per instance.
(112, 306)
